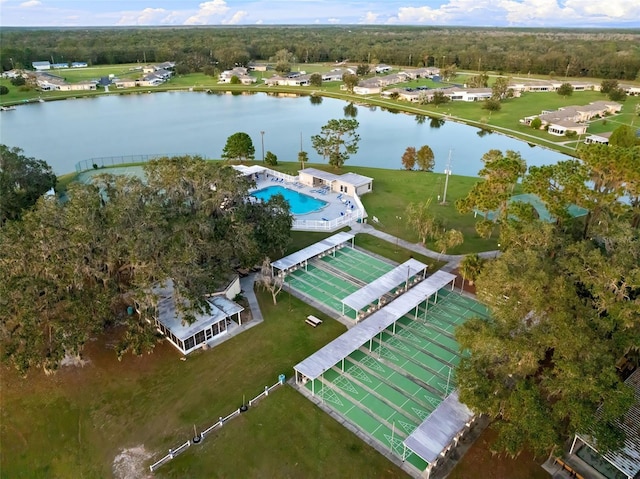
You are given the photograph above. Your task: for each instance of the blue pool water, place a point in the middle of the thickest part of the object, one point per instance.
(300, 204)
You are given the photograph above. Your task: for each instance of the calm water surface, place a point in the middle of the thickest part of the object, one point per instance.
(175, 123)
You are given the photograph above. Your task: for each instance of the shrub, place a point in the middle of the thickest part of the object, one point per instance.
(536, 123)
(3, 90)
(570, 134)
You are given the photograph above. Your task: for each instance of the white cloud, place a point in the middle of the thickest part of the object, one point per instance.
(333, 21)
(236, 18)
(370, 17)
(31, 4)
(519, 13)
(208, 11)
(148, 16)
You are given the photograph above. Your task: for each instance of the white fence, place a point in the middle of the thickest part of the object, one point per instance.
(331, 225)
(284, 176)
(199, 437)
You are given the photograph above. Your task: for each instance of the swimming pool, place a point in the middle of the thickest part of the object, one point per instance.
(300, 204)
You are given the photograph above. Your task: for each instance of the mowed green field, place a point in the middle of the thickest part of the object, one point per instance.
(74, 423)
(394, 190)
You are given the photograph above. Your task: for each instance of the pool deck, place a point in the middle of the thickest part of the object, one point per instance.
(335, 207)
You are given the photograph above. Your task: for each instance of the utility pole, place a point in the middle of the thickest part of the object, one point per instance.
(262, 141)
(447, 173)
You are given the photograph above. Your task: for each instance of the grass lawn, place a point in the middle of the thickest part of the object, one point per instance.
(393, 190)
(74, 423)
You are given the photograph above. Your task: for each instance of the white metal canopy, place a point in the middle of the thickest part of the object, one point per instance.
(439, 429)
(323, 359)
(363, 297)
(312, 251)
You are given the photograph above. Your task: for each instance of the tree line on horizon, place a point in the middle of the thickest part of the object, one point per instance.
(561, 53)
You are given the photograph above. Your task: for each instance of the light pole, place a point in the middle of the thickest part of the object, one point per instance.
(262, 142)
(447, 173)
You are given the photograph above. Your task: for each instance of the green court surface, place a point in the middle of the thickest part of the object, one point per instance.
(426, 399)
(392, 383)
(388, 437)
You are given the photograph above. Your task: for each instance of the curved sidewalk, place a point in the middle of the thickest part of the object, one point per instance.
(453, 260)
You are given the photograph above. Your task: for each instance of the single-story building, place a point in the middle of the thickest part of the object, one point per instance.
(382, 68)
(40, 66)
(79, 64)
(336, 74)
(598, 138)
(585, 458)
(126, 83)
(349, 183)
(206, 327)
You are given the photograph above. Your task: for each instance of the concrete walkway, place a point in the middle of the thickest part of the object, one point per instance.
(453, 260)
(247, 284)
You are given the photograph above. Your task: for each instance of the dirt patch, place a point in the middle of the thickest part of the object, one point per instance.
(130, 464)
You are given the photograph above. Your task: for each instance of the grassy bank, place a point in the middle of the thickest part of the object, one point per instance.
(73, 424)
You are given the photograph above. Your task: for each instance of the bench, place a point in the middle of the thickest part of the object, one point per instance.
(313, 321)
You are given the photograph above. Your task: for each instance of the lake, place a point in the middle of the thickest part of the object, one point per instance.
(175, 123)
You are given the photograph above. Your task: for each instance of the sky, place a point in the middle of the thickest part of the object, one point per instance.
(490, 13)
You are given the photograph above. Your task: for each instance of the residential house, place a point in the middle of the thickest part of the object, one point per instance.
(150, 79)
(468, 94)
(126, 83)
(240, 73)
(40, 66)
(631, 90)
(59, 66)
(336, 74)
(223, 316)
(573, 118)
(598, 138)
(79, 64)
(370, 86)
(413, 96)
(382, 68)
(296, 80)
(416, 73)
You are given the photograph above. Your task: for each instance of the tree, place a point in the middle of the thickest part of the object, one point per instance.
(269, 280)
(239, 147)
(617, 94)
(409, 158)
(501, 174)
(449, 72)
(546, 360)
(234, 80)
(282, 59)
(500, 88)
(565, 90)
(471, 267)
(536, 123)
(422, 220)
(478, 81)
(439, 98)
(209, 70)
(449, 239)
(22, 181)
(624, 136)
(337, 141)
(303, 157)
(315, 100)
(315, 80)
(491, 104)
(350, 81)
(69, 270)
(363, 69)
(3, 90)
(607, 85)
(18, 81)
(425, 158)
(270, 159)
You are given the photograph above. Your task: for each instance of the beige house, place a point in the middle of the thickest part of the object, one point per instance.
(349, 183)
(573, 118)
(240, 73)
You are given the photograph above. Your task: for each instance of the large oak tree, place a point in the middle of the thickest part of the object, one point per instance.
(70, 270)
